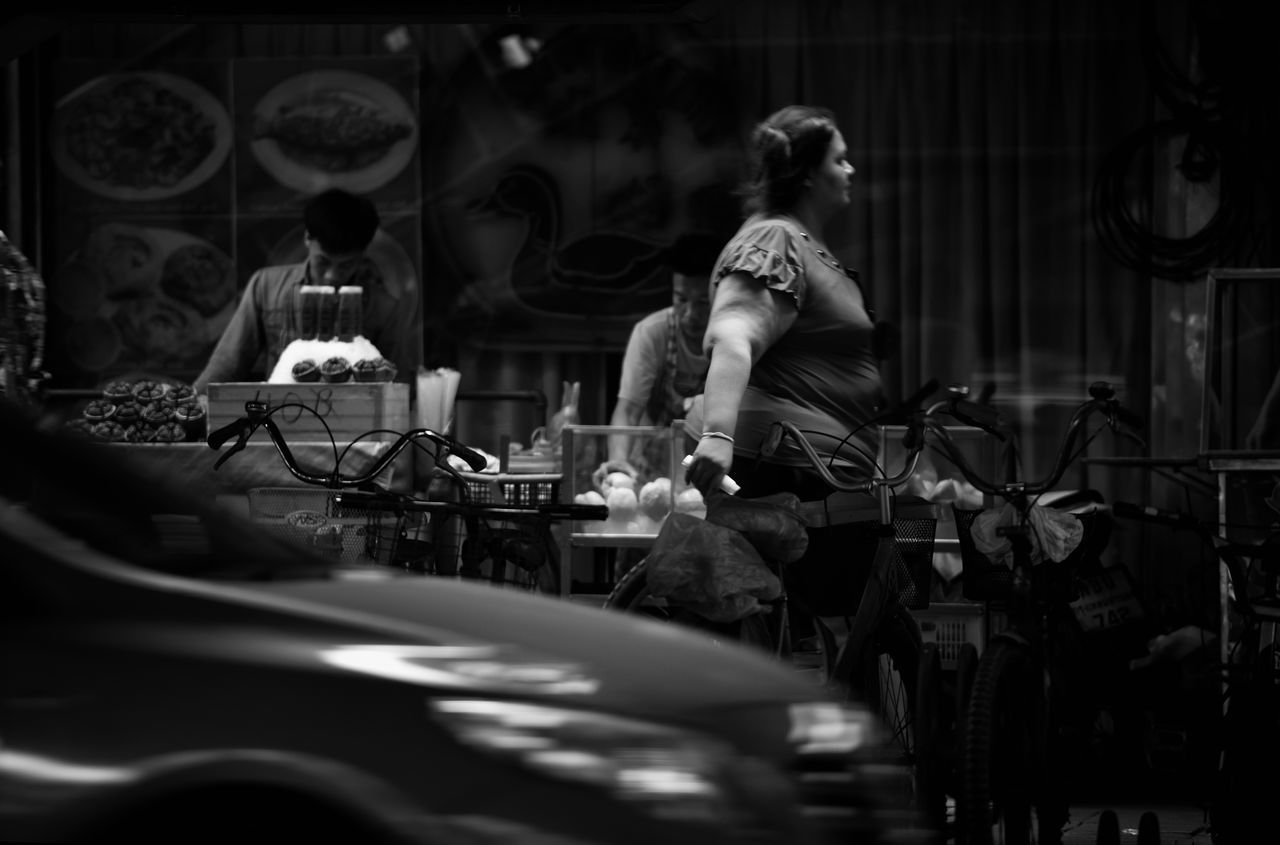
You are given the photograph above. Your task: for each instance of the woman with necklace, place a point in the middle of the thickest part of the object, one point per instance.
(790, 337)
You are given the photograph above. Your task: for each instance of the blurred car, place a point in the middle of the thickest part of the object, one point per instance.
(168, 671)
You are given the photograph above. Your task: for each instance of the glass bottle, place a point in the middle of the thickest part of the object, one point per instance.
(328, 327)
(350, 312)
(310, 298)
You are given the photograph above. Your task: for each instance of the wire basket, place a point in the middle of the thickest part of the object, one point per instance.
(313, 518)
(512, 488)
(913, 559)
(987, 580)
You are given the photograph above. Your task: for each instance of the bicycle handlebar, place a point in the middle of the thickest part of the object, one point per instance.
(979, 415)
(258, 415)
(397, 502)
(1101, 400)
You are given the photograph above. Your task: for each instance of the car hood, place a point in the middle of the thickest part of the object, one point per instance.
(395, 625)
(634, 662)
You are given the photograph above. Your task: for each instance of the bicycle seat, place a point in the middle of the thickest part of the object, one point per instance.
(1075, 501)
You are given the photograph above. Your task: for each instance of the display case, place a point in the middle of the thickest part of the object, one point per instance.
(637, 508)
(658, 488)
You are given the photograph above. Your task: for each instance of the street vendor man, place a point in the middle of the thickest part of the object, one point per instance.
(664, 365)
(339, 227)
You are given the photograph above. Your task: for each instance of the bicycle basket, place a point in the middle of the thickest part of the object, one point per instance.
(913, 559)
(830, 579)
(512, 488)
(986, 580)
(352, 535)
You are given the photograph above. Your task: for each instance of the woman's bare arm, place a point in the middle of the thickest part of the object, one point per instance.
(746, 319)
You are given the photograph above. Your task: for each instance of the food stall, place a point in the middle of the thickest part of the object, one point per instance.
(161, 425)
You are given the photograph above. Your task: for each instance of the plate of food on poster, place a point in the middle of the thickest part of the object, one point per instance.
(140, 136)
(147, 296)
(333, 129)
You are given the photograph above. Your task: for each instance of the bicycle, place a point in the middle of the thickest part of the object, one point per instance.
(502, 543)
(882, 660)
(1246, 778)
(1006, 741)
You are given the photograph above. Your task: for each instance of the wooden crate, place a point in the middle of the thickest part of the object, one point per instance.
(349, 409)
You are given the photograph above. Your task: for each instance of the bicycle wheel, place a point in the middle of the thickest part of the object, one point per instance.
(930, 754)
(999, 757)
(1149, 829)
(887, 675)
(890, 680)
(1247, 780)
(966, 668)
(1108, 828)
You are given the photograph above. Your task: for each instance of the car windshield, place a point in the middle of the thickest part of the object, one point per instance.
(92, 492)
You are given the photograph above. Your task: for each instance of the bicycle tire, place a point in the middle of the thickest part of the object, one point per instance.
(966, 668)
(888, 676)
(930, 755)
(997, 759)
(888, 673)
(631, 594)
(1247, 780)
(1149, 829)
(1108, 828)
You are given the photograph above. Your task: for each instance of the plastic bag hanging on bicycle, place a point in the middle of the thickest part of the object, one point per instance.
(709, 569)
(773, 524)
(1054, 534)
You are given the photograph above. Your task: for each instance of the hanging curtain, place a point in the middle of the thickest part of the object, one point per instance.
(976, 130)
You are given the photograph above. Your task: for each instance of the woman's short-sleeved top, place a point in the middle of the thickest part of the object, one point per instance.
(822, 374)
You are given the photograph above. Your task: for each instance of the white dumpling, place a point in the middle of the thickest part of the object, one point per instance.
(655, 498)
(622, 503)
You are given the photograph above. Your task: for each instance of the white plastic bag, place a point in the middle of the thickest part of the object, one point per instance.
(1054, 534)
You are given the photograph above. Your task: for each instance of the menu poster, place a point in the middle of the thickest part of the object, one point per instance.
(303, 127)
(160, 173)
(142, 141)
(142, 294)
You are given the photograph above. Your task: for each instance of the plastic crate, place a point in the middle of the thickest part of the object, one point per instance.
(512, 488)
(951, 625)
(312, 517)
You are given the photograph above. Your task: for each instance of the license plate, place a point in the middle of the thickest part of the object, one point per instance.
(1106, 600)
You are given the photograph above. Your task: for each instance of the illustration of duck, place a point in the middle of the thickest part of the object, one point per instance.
(601, 275)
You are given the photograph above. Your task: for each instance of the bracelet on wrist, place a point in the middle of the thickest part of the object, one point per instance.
(718, 435)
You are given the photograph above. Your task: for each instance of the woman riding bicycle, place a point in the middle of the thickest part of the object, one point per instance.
(792, 337)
